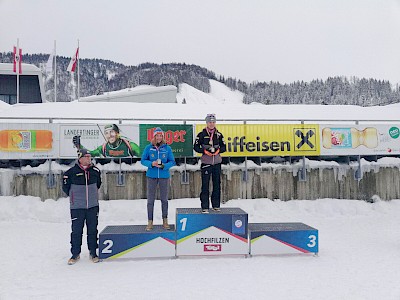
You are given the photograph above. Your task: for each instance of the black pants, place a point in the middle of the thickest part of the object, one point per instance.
(213, 171)
(78, 218)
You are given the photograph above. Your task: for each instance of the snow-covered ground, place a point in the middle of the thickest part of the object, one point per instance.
(359, 246)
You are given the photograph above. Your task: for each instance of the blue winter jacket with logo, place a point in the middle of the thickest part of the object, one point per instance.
(82, 186)
(152, 153)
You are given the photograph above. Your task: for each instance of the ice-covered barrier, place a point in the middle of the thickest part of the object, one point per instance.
(325, 179)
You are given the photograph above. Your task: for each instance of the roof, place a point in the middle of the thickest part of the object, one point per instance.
(162, 94)
(27, 69)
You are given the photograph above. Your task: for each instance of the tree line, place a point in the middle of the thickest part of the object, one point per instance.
(99, 75)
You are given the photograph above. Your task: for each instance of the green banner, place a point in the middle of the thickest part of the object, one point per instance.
(178, 137)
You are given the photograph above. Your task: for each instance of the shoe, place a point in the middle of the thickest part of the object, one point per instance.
(73, 260)
(165, 224)
(204, 211)
(216, 209)
(149, 225)
(94, 258)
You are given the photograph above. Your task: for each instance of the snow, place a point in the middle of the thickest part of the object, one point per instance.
(358, 255)
(226, 104)
(219, 94)
(358, 247)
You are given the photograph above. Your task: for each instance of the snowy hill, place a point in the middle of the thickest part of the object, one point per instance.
(227, 104)
(219, 94)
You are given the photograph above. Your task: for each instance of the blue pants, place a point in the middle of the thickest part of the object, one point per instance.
(78, 218)
(151, 196)
(213, 172)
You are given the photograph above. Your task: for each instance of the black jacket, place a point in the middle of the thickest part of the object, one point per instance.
(210, 148)
(82, 186)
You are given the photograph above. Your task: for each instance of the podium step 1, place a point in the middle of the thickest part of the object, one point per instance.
(216, 233)
(133, 241)
(282, 238)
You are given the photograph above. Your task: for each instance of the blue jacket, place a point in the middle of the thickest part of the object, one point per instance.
(151, 153)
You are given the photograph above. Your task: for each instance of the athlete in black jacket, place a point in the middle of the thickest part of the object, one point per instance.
(81, 183)
(210, 142)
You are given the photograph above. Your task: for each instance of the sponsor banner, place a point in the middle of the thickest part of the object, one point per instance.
(269, 139)
(102, 140)
(360, 139)
(178, 137)
(28, 141)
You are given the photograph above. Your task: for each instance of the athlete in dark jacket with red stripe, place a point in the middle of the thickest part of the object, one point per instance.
(210, 142)
(81, 183)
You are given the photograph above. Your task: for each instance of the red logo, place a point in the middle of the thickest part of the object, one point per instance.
(171, 137)
(212, 247)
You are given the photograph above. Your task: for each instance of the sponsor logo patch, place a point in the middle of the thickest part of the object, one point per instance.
(212, 248)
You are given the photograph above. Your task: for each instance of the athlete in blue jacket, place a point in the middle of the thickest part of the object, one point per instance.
(158, 158)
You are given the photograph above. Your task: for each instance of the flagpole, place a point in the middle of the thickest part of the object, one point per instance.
(17, 69)
(55, 72)
(78, 70)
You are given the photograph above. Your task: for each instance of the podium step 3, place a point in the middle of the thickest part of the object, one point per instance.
(279, 227)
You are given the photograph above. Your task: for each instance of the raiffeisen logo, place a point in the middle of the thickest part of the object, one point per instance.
(212, 248)
(239, 144)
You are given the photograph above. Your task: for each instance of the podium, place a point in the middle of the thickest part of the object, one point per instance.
(215, 233)
(282, 238)
(221, 233)
(133, 241)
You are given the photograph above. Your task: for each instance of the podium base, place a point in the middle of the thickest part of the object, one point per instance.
(133, 241)
(282, 238)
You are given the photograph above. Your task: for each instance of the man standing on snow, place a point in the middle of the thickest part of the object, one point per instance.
(81, 183)
(210, 143)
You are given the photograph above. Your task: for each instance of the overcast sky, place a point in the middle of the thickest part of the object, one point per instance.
(278, 40)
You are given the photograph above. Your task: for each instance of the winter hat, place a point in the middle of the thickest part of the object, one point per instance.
(158, 130)
(82, 152)
(211, 118)
(111, 127)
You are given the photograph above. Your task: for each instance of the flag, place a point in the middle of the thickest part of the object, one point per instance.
(17, 61)
(49, 64)
(72, 64)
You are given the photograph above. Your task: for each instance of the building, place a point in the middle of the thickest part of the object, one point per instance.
(140, 94)
(31, 88)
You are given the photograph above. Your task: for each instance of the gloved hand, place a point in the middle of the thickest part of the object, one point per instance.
(76, 140)
(209, 153)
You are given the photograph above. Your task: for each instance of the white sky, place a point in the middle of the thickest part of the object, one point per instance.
(262, 40)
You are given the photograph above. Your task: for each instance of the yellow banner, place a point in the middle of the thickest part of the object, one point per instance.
(269, 139)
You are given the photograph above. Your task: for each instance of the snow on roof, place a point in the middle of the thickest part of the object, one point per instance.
(27, 69)
(136, 91)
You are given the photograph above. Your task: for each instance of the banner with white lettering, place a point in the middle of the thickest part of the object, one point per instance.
(102, 140)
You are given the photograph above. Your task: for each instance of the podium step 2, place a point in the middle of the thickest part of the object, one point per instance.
(133, 241)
